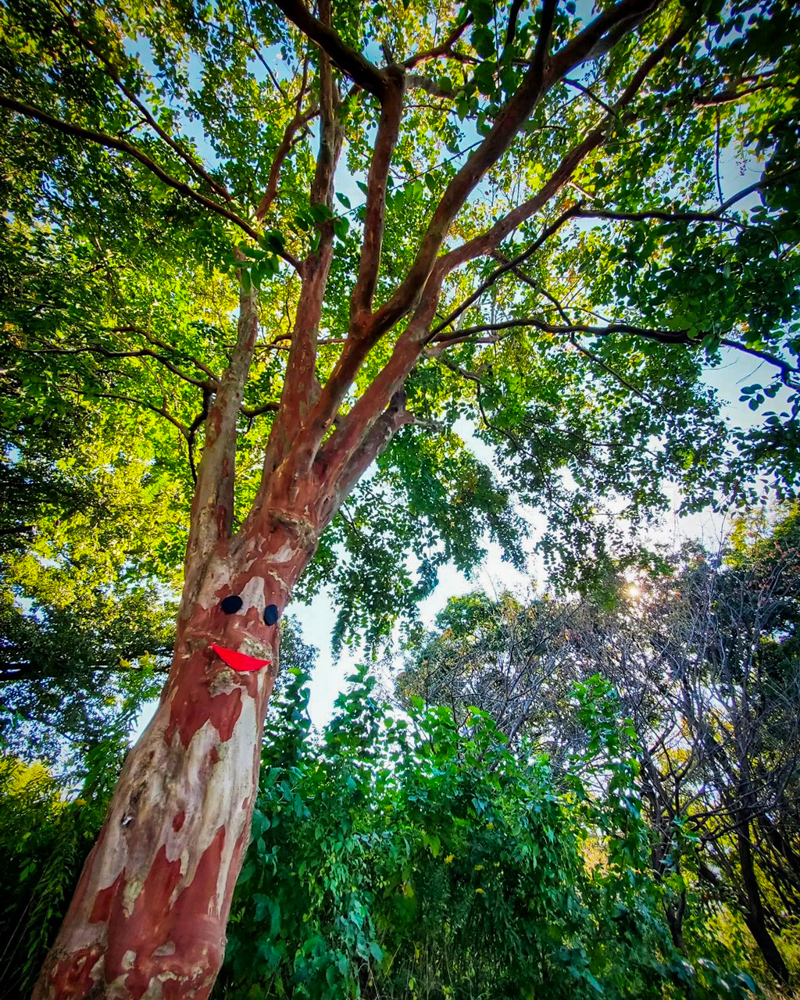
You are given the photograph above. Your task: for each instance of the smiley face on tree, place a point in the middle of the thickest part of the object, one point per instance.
(232, 605)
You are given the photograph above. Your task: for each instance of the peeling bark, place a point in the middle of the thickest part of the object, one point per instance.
(148, 917)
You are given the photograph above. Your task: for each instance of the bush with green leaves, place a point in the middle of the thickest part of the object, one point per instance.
(47, 828)
(404, 856)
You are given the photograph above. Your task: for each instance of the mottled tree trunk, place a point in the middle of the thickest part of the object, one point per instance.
(148, 917)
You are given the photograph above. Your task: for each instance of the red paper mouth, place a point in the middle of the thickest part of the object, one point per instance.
(239, 661)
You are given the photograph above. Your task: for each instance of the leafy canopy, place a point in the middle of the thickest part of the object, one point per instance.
(158, 155)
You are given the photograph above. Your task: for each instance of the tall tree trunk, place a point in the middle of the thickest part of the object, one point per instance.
(754, 915)
(148, 918)
(149, 914)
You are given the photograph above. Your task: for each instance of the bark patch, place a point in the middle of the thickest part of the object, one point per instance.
(72, 978)
(192, 709)
(143, 931)
(101, 910)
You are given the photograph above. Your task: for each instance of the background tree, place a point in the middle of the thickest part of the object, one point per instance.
(705, 661)
(539, 249)
(86, 605)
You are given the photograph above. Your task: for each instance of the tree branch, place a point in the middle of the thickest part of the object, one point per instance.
(601, 34)
(731, 95)
(590, 94)
(256, 411)
(545, 34)
(444, 49)
(595, 359)
(121, 145)
(373, 444)
(536, 82)
(350, 62)
(336, 453)
(283, 150)
(150, 338)
(300, 387)
(212, 510)
(193, 429)
(508, 122)
(108, 353)
(769, 179)
(787, 370)
(659, 214)
(419, 291)
(160, 410)
(375, 210)
(663, 336)
(689, 215)
(511, 26)
(488, 241)
(505, 267)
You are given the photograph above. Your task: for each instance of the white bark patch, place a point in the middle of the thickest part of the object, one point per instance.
(154, 991)
(284, 553)
(217, 575)
(129, 896)
(252, 594)
(224, 787)
(256, 648)
(281, 583)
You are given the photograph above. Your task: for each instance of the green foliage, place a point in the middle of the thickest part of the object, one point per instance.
(85, 626)
(47, 827)
(403, 856)
(703, 654)
(121, 290)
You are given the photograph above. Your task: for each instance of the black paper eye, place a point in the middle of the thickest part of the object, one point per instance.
(230, 605)
(271, 614)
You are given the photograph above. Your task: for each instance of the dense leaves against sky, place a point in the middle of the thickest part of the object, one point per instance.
(141, 143)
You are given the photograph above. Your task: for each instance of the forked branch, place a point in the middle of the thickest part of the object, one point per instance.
(359, 69)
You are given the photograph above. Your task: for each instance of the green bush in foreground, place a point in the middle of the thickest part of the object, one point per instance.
(403, 857)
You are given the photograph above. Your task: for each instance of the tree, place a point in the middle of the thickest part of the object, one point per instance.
(86, 609)
(539, 248)
(705, 661)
